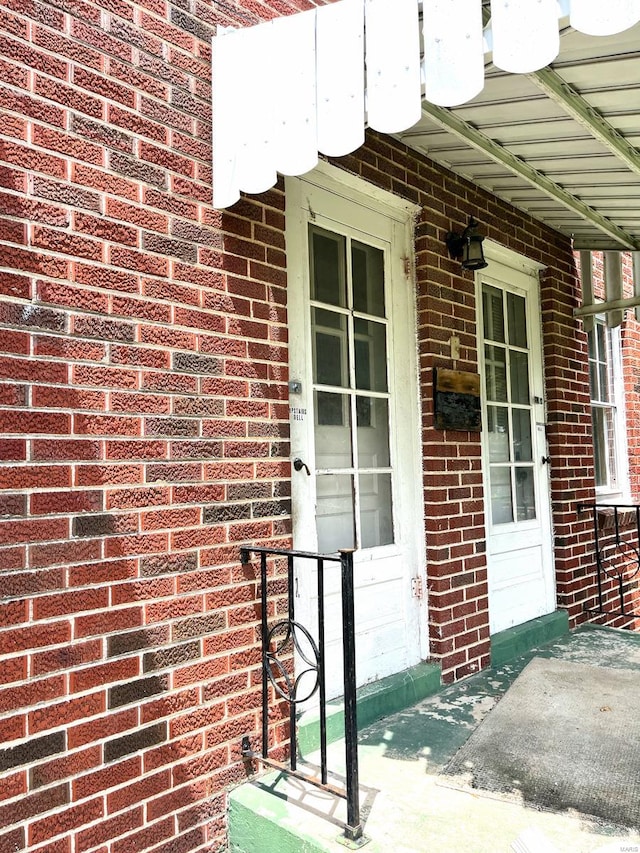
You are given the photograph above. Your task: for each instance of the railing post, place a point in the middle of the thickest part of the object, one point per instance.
(315, 660)
(353, 829)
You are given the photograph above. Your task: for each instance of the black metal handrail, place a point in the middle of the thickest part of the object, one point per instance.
(274, 673)
(616, 531)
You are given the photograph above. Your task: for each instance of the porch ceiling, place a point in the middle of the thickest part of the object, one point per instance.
(562, 143)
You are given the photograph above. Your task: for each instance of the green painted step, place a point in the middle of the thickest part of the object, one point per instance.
(376, 700)
(510, 644)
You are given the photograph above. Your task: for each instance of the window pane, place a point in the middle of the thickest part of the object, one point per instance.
(333, 431)
(498, 429)
(368, 279)
(603, 397)
(373, 432)
(496, 373)
(501, 505)
(493, 314)
(328, 280)
(330, 358)
(517, 320)
(604, 446)
(370, 348)
(334, 512)
(522, 451)
(519, 371)
(376, 519)
(525, 494)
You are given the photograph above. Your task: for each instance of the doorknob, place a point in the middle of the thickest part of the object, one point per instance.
(546, 460)
(298, 464)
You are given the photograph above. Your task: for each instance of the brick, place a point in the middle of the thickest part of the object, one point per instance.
(27, 530)
(32, 750)
(143, 739)
(66, 193)
(66, 296)
(34, 804)
(168, 563)
(62, 450)
(136, 691)
(171, 656)
(194, 363)
(18, 286)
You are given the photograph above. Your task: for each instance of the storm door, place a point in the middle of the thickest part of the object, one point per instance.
(354, 420)
(516, 462)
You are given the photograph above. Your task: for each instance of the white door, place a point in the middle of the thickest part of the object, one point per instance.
(515, 457)
(355, 419)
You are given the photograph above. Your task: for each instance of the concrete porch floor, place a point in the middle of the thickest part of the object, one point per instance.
(405, 807)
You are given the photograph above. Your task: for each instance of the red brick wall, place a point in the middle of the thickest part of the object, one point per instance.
(144, 419)
(144, 430)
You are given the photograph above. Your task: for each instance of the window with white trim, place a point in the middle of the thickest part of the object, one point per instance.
(607, 410)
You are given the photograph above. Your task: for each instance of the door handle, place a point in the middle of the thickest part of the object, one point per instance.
(546, 460)
(298, 464)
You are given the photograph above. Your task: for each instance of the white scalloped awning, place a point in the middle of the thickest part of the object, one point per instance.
(311, 82)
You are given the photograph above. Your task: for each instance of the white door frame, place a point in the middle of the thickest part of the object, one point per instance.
(329, 183)
(519, 265)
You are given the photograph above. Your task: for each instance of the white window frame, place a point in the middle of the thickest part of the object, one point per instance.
(617, 489)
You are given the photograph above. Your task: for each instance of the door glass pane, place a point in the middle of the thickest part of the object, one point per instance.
(517, 320)
(368, 279)
(519, 371)
(350, 357)
(522, 450)
(496, 373)
(375, 510)
(370, 347)
(328, 273)
(373, 432)
(498, 429)
(501, 503)
(525, 494)
(493, 314)
(334, 512)
(330, 352)
(333, 430)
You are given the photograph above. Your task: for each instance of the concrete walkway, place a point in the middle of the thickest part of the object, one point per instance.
(406, 806)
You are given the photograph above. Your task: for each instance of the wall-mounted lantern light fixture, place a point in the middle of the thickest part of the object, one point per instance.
(467, 247)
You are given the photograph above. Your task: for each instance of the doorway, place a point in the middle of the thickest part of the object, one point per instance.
(515, 456)
(355, 426)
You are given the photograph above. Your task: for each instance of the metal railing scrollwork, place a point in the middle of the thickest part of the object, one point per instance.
(616, 532)
(278, 641)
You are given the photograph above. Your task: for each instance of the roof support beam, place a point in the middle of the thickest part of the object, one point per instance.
(603, 307)
(573, 103)
(499, 154)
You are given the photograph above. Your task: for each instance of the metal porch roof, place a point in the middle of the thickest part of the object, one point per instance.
(562, 143)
